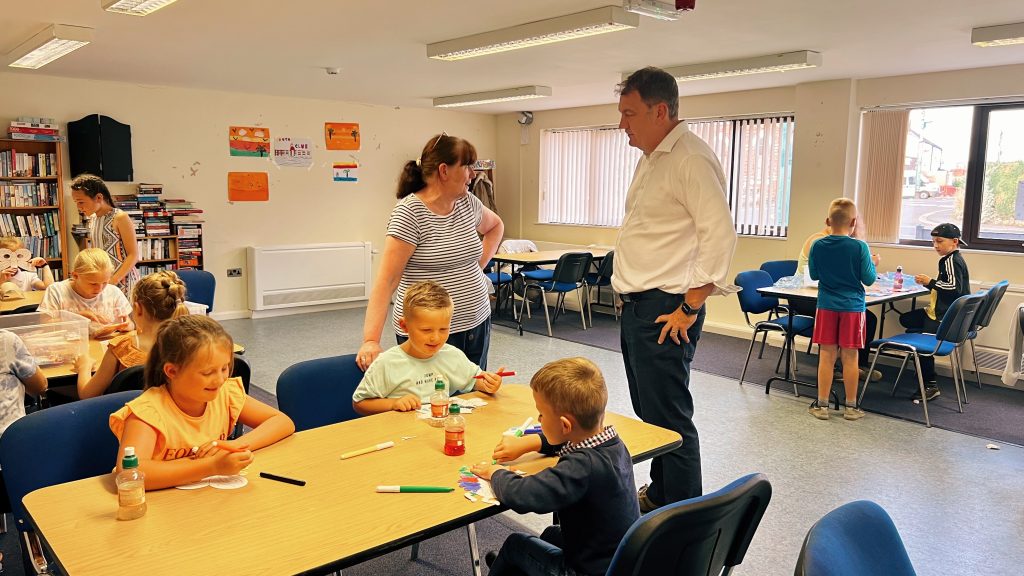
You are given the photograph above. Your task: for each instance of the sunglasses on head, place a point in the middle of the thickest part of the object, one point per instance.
(439, 136)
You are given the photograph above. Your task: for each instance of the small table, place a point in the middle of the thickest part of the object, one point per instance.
(535, 259)
(31, 297)
(334, 521)
(810, 294)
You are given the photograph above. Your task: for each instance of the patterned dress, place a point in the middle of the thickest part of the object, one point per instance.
(102, 234)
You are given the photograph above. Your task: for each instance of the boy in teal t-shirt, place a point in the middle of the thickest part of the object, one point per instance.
(403, 377)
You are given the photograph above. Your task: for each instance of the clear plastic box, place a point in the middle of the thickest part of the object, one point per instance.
(52, 338)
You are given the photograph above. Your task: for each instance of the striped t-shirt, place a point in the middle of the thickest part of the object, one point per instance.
(448, 251)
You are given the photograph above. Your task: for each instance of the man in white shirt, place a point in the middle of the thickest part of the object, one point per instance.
(673, 251)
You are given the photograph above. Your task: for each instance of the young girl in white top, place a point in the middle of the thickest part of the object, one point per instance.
(25, 281)
(155, 298)
(180, 424)
(88, 294)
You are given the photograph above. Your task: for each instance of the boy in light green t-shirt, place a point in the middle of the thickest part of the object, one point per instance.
(403, 377)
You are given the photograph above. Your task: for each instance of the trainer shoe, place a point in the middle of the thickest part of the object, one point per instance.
(819, 412)
(852, 413)
(490, 557)
(875, 374)
(931, 392)
(646, 504)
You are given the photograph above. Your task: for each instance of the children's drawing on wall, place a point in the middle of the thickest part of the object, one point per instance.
(346, 171)
(341, 136)
(249, 141)
(293, 152)
(248, 187)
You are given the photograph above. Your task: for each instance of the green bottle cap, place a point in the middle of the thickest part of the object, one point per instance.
(439, 385)
(130, 460)
(454, 409)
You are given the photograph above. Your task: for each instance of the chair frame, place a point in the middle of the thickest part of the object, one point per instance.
(968, 304)
(993, 296)
(557, 278)
(604, 270)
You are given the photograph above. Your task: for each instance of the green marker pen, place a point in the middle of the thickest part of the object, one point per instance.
(413, 489)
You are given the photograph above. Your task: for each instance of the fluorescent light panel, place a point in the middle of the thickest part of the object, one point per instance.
(45, 47)
(657, 9)
(134, 7)
(520, 93)
(1003, 35)
(741, 67)
(579, 25)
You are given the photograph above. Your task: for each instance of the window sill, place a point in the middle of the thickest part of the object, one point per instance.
(930, 249)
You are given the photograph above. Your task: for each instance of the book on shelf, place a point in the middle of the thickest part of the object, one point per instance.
(15, 194)
(14, 164)
(22, 130)
(35, 137)
(46, 125)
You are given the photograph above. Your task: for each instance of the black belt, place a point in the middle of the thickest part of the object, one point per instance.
(653, 294)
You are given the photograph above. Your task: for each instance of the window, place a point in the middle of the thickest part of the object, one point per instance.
(965, 165)
(586, 172)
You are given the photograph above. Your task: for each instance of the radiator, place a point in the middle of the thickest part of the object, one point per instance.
(992, 342)
(308, 274)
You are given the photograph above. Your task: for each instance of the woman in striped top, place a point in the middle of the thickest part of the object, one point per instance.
(437, 231)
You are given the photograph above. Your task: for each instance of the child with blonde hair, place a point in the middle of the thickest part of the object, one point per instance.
(25, 281)
(180, 424)
(157, 297)
(87, 293)
(403, 377)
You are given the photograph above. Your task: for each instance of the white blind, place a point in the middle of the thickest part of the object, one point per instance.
(763, 171)
(585, 174)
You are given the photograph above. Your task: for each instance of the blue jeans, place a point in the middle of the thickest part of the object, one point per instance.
(475, 342)
(525, 555)
(659, 387)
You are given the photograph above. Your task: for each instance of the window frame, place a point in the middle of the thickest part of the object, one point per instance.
(974, 192)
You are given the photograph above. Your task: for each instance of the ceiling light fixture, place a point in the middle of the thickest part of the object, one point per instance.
(1003, 35)
(740, 67)
(557, 29)
(520, 93)
(659, 9)
(134, 7)
(45, 47)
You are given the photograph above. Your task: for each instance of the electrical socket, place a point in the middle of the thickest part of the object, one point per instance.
(234, 272)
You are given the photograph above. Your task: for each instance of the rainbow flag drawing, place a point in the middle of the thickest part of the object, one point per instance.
(346, 172)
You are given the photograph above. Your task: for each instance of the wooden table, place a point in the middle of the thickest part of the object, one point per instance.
(810, 294)
(97, 348)
(544, 257)
(334, 521)
(31, 297)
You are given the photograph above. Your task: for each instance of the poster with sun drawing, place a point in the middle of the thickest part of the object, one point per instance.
(252, 141)
(341, 136)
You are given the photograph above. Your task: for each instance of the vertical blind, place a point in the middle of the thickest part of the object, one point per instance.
(585, 173)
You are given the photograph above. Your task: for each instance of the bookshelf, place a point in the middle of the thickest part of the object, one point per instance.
(32, 198)
(168, 230)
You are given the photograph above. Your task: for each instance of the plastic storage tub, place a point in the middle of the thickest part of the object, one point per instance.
(51, 338)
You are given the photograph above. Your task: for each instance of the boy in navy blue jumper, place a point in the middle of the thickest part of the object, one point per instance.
(591, 486)
(843, 266)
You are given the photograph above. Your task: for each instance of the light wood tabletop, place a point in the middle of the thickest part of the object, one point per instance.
(545, 256)
(335, 520)
(31, 297)
(97, 348)
(872, 297)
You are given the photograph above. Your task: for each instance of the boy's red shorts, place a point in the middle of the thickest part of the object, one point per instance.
(843, 328)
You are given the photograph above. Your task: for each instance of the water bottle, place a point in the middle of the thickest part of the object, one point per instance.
(131, 487)
(438, 404)
(897, 279)
(455, 432)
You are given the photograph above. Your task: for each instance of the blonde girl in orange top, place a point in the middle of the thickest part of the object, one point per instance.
(180, 424)
(155, 298)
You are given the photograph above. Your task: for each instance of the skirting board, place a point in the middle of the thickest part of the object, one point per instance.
(257, 314)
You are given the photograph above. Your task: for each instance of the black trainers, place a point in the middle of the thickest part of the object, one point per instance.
(646, 504)
(931, 392)
(489, 558)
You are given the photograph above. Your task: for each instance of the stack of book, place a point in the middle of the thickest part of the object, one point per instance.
(38, 129)
(129, 204)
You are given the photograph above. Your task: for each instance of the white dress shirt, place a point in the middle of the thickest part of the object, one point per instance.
(677, 232)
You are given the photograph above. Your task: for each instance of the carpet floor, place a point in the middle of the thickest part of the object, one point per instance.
(993, 412)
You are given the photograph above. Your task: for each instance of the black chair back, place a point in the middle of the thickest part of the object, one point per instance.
(131, 378)
(572, 267)
(988, 307)
(959, 319)
(604, 269)
(853, 540)
(698, 536)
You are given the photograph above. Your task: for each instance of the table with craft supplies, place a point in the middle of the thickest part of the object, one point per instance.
(32, 297)
(335, 520)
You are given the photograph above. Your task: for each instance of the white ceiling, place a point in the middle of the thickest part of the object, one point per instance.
(281, 47)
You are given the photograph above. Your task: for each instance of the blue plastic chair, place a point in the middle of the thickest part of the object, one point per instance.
(200, 286)
(706, 535)
(983, 318)
(752, 302)
(78, 444)
(779, 268)
(569, 274)
(956, 324)
(318, 392)
(855, 539)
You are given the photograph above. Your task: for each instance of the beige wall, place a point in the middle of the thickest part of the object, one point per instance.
(179, 138)
(824, 167)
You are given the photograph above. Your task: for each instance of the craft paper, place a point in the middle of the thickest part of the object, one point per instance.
(219, 482)
(346, 172)
(248, 187)
(249, 141)
(341, 136)
(293, 152)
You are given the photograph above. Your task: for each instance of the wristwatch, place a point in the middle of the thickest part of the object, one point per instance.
(689, 310)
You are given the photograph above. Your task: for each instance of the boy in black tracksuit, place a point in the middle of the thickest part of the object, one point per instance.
(591, 486)
(952, 283)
